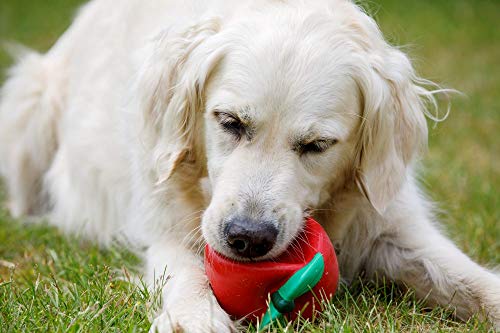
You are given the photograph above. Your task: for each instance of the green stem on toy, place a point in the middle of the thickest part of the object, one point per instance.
(282, 300)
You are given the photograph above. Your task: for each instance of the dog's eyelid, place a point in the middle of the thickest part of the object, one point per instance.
(222, 114)
(231, 123)
(315, 146)
(227, 119)
(230, 117)
(329, 141)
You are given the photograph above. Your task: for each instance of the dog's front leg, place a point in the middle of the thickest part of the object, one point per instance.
(416, 253)
(188, 304)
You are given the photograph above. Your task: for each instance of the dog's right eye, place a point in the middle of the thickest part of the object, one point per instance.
(314, 147)
(230, 124)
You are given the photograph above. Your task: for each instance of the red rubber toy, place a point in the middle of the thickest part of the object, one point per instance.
(243, 288)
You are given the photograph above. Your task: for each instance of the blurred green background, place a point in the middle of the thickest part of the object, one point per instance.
(454, 43)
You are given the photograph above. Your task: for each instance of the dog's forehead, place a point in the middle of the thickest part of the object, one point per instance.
(308, 101)
(301, 77)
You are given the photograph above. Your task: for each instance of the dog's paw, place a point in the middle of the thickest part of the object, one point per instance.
(192, 322)
(193, 316)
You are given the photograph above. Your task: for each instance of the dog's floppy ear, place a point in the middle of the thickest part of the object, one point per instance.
(170, 90)
(393, 127)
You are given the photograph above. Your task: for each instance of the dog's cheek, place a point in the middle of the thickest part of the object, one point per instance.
(289, 224)
(218, 210)
(331, 177)
(215, 163)
(210, 229)
(217, 155)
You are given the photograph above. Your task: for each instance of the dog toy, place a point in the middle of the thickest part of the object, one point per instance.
(282, 300)
(292, 284)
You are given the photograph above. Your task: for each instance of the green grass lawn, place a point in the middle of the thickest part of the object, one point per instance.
(49, 282)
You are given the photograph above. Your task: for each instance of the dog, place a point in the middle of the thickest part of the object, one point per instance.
(164, 124)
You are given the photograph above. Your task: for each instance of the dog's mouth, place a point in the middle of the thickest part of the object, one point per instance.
(270, 254)
(241, 236)
(259, 244)
(289, 252)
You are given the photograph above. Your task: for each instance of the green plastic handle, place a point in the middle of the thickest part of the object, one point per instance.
(304, 279)
(301, 282)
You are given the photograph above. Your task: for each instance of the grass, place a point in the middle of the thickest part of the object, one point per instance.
(50, 282)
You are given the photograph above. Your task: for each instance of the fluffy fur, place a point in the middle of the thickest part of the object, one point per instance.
(116, 133)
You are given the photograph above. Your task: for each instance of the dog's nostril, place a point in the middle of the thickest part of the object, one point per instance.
(238, 244)
(250, 239)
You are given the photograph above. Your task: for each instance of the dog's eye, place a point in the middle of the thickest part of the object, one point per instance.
(316, 146)
(230, 124)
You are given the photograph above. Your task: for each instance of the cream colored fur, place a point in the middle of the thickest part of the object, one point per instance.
(114, 134)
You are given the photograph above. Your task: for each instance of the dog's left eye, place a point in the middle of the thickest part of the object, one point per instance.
(316, 146)
(230, 124)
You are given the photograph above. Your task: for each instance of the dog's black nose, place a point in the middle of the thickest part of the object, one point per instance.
(250, 239)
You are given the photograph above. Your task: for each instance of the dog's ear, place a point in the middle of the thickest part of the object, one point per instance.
(170, 89)
(393, 127)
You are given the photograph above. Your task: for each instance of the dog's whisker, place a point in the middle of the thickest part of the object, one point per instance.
(183, 223)
(194, 235)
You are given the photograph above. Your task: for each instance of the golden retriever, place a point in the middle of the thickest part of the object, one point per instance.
(156, 122)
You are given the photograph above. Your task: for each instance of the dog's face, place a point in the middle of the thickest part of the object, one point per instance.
(296, 105)
(281, 121)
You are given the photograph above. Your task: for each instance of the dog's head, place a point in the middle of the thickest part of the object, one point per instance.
(282, 109)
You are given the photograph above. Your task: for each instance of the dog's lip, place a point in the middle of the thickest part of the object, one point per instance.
(275, 252)
(224, 252)
(242, 259)
(267, 260)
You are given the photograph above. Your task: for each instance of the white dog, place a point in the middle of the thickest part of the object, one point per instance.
(150, 118)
